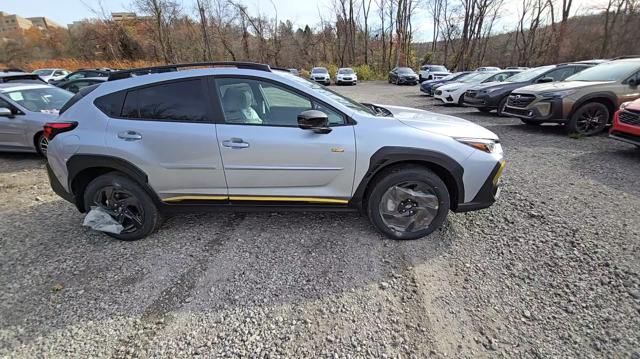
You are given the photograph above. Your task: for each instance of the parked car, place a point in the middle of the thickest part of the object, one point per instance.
(346, 75)
(454, 93)
(432, 72)
(12, 69)
(517, 68)
(489, 97)
(427, 86)
(402, 76)
(584, 102)
(24, 109)
(80, 74)
(487, 68)
(321, 75)
(51, 74)
(626, 123)
(264, 139)
(76, 85)
(23, 77)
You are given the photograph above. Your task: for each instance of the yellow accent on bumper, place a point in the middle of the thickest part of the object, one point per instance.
(496, 178)
(257, 198)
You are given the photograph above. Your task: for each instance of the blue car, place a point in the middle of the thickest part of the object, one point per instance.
(427, 86)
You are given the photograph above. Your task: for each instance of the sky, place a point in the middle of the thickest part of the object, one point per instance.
(67, 11)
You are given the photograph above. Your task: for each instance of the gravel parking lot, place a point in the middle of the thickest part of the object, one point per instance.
(551, 270)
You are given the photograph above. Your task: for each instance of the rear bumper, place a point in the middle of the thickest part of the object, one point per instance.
(57, 187)
(488, 193)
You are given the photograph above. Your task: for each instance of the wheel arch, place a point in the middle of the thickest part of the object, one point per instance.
(609, 99)
(388, 158)
(82, 169)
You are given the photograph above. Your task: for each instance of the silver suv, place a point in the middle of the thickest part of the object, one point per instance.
(246, 137)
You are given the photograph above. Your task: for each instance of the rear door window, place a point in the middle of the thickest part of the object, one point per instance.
(183, 101)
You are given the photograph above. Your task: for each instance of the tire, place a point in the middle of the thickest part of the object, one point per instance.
(42, 144)
(530, 122)
(501, 105)
(139, 206)
(461, 100)
(419, 78)
(484, 109)
(588, 120)
(417, 179)
(389, 79)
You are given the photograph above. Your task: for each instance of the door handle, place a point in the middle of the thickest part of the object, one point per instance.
(235, 143)
(129, 136)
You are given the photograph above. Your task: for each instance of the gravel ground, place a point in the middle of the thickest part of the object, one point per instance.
(551, 270)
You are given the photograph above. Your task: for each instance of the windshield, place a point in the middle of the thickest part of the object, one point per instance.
(438, 68)
(610, 71)
(476, 78)
(529, 75)
(46, 99)
(345, 101)
(319, 70)
(405, 70)
(43, 72)
(345, 71)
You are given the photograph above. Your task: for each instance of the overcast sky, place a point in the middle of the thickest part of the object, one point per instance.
(300, 12)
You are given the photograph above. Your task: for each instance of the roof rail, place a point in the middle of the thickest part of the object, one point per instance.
(123, 74)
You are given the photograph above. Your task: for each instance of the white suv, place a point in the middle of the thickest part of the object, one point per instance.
(249, 137)
(432, 72)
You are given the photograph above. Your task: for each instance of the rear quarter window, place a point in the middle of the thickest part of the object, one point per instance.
(110, 104)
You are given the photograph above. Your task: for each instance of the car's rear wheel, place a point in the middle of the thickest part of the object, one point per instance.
(126, 202)
(42, 144)
(461, 100)
(588, 120)
(408, 202)
(501, 105)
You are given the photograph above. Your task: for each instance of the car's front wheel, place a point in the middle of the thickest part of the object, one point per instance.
(501, 106)
(126, 202)
(588, 120)
(408, 202)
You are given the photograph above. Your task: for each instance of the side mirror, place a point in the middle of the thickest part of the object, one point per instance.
(545, 80)
(5, 112)
(314, 120)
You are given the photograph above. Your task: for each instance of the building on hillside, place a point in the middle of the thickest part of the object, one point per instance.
(11, 22)
(123, 16)
(44, 23)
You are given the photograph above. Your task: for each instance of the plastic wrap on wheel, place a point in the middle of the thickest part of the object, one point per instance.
(100, 220)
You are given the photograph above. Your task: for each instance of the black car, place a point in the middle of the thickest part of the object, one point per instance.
(84, 73)
(493, 96)
(78, 84)
(402, 76)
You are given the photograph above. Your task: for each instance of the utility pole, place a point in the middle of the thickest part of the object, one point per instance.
(205, 37)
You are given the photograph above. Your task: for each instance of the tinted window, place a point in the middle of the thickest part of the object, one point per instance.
(176, 101)
(110, 104)
(561, 73)
(609, 71)
(254, 102)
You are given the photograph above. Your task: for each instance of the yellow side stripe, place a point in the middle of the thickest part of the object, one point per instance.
(257, 198)
(195, 198)
(289, 199)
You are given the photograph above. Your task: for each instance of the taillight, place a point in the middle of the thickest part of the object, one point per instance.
(51, 129)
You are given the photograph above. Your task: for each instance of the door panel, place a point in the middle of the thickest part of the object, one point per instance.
(169, 134)
(288, 161)
(12, 130)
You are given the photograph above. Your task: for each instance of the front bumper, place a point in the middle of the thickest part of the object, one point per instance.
(482, 101)
(547, 110)
(404, 80)
(346, 81)
(488, 193)
(446, 97)
(324, 81)
(57, 187)
(625, 132)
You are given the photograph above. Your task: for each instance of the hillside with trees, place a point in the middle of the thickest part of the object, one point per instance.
(377, 34)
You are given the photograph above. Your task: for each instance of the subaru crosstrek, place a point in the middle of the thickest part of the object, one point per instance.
(249, 137)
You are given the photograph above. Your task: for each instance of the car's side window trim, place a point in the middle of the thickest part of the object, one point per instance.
(348, 121)
(211, 115)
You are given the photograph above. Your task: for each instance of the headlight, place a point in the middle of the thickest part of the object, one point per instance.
(625, 104)
(557, 94)
(482, 144)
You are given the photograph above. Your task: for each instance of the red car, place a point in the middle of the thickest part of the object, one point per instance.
(626, 123)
